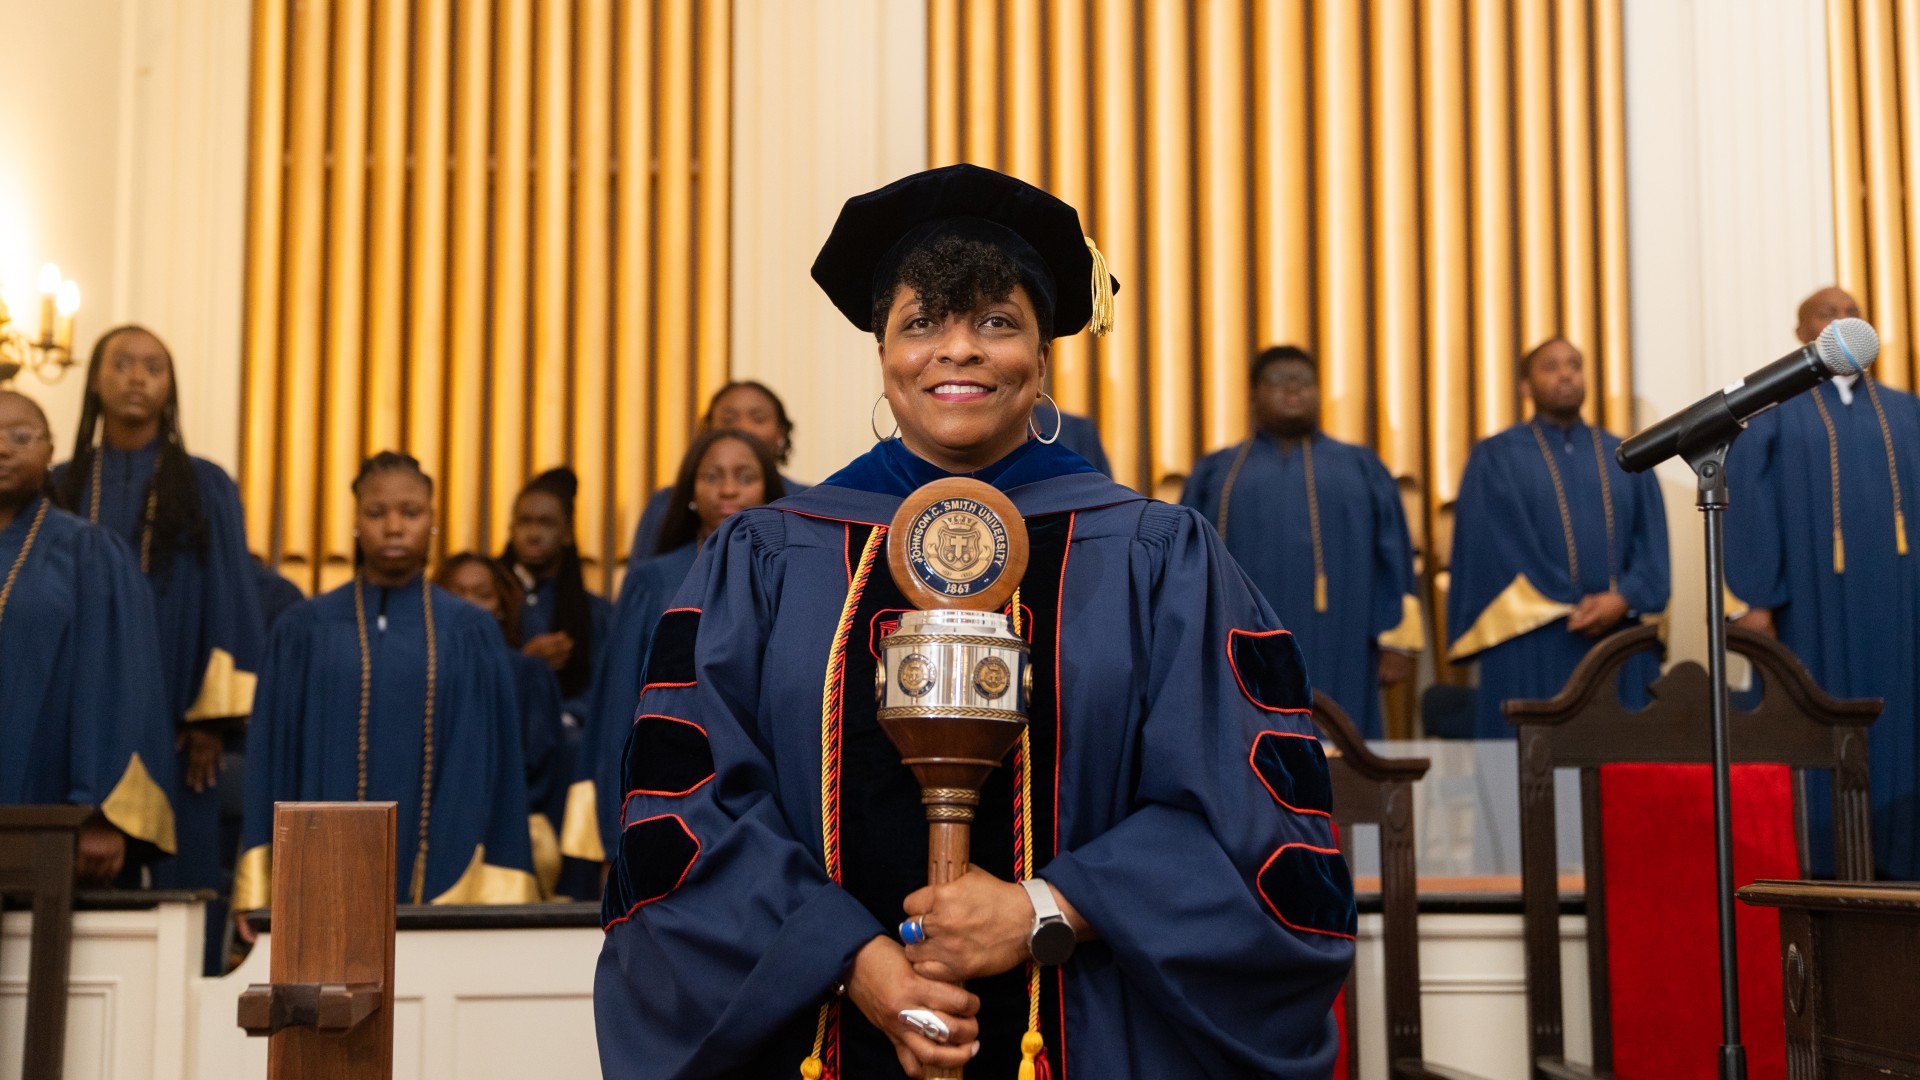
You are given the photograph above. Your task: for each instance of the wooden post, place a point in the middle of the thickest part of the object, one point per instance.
(37, 845)
(329, 1009)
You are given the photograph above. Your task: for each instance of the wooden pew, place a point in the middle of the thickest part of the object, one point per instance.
(37, 846)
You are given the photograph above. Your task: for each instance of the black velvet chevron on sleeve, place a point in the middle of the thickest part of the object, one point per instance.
(1294, 769)
(670, 660)
(1271, 671)
(1310, 889)
(655, 856)
(666, 756)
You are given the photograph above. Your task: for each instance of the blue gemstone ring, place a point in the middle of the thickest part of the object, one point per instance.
(913, 931)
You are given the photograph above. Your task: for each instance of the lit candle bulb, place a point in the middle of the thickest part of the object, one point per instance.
(49, 286)
(67, 303)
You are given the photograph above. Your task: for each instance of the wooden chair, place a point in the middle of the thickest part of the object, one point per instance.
(1586, 726)
(37, 851)
(1372, 790)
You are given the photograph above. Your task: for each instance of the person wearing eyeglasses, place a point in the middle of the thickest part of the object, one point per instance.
(83, 707)
(1319, 527)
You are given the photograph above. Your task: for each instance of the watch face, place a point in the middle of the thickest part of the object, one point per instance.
(1051, 942)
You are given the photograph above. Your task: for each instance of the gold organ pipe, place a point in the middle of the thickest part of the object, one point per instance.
(1610, 121)
(592, 270)
(1282, 218)
(715, 150)
(426, 370)
(1533, 113)
(305, 262)
(346, 291)
(1574, 99)
(981, 81)
(506, 455)
(1225, 236)
(1886, 219)
(266, 162)
(1489, 100)
(633, 263)
(1340, 207)
(1908, 64)
(1400, 403)
(387, 227)
(1117, 207)
(1444, 189)
(1023, 106)
(1068, 177)
(552, 189)
(1170, 236)
(943, 82)
(1849, 186)
(673, 338)
(461, 528)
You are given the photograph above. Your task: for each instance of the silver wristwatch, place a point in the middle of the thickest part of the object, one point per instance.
(1051, 940)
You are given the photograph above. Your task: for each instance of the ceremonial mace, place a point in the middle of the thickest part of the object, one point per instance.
(954, 682)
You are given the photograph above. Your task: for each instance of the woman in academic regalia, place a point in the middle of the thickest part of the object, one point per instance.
(725, 470)
(389, 689)
(743, 405)
(560, 622)
(131, 473)
(547, 747)
(83, 708)
(773, 847)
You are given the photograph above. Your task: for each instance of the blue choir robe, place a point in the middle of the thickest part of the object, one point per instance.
(593, 803)
(1858, 632)
(1187, 821)
(536, 618)
(303, 744)
(548, 759)
(646, 533)
(210, 631)
(83, 704)
(277, 594)
(1511, 588)
(1077, 433)
(1371, 600)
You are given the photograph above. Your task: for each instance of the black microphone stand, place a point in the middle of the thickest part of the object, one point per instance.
(1706, 452)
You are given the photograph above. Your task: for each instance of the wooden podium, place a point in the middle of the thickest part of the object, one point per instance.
(1850, 957)
(329, 1008)
(37, 845)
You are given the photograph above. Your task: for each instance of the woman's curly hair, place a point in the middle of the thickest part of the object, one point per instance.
(954, 274)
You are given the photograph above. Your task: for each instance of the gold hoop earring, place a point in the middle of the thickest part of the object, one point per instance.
(873, 419)
(1059, 421)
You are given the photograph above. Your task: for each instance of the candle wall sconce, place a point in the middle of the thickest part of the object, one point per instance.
(48, 352)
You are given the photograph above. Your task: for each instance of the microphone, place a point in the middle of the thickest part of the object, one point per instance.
(1845, 347)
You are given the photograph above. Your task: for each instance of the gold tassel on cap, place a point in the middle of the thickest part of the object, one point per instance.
(1102, 323)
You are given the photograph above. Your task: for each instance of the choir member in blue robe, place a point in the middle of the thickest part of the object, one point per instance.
(1523, 602)
(561, 622)
(1178, 796)
(1329, 548)
(547, 745)
(437, 729)
(744, 405)
(277, 594)
(1077, 433)
(725, 471)
(131, 473)
(83, 706)
(1843, 594)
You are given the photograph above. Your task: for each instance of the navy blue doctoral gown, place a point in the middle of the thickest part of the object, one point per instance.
(1185, 819)
(1512, 586)
(593, 806)
(1858, 632)
(83, 706)
(304, 742)
(209, 624)
(1364, 546)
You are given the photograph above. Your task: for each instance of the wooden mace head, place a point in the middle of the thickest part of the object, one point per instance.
(954, 708)
(957, 543)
